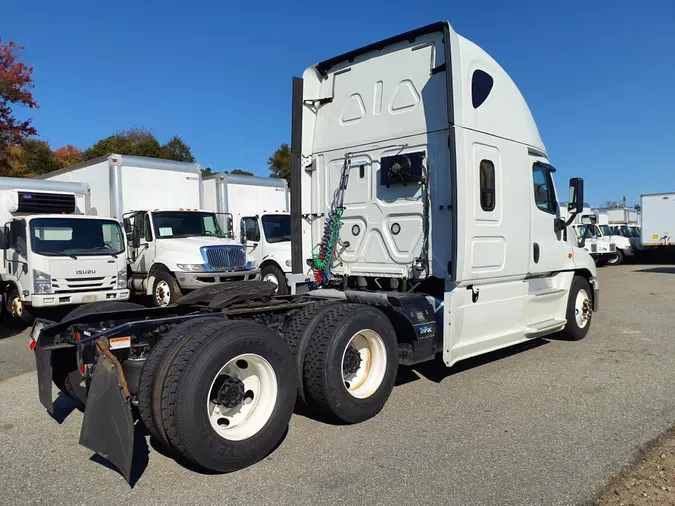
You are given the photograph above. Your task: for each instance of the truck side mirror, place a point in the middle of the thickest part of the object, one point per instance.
(576, 201)
(4, 239)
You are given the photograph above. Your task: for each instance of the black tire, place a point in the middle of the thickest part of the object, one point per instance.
(618, 260)
(298, 330)
(65, 373)
(174, 288)
(273, 270)
(154, 373)
(26, 316)
(322, 373)
(184, 399)
(599, 261)
(572, 330)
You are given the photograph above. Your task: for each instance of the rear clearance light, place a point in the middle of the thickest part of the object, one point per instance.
(32, 344)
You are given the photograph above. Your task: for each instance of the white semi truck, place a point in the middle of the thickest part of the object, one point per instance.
(262, 223)
(625, 245)
(658, 219)
(174, 245)
(53, 255)
(425, 222)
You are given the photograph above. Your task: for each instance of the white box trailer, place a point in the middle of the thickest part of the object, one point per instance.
(53, 255)
(425, 222)
(175, 246)
(262, 223)
(621, 215)
(658, 219)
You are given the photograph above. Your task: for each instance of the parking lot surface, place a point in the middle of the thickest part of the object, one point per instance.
(546, 423)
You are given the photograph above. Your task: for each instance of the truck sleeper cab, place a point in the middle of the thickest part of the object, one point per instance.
(408, 243)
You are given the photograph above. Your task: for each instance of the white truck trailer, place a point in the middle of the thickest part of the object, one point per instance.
(53, 255)
(658, 219)
(174, 245)
(262, 223)
(425, 222)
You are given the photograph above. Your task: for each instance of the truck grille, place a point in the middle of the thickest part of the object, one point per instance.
(224, 258)
(612, 247)
(77, 285)
(594, 248)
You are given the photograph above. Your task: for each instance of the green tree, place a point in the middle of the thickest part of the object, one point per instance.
(279, 164)
(135, 142)
(207, 171)
(239, 172)
(177, 150)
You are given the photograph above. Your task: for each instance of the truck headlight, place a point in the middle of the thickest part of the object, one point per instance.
(190, 267)
(251, 264)
(288, 263)
(42, 283)
(122, 278)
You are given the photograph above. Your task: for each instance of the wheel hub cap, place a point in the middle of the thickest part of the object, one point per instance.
(231, 393)
(352, 361)
(17, 308)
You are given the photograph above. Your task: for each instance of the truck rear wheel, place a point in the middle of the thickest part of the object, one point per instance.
(298, 330)
(65, 373)
(272, 274)
(154, 373)
(229, 395)
(579, 310)
(165, 290)
(351, 363)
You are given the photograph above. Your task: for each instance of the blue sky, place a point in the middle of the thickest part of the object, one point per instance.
(599, 76)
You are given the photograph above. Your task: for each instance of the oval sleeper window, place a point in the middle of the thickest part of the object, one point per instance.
(481, 86)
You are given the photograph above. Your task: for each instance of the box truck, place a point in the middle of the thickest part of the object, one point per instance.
(259, 207)
(174, 245)
(625, 244)
(53, 255)
(425, 222)
(658, 219)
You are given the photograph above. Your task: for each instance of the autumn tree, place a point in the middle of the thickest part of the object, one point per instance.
(135, 142)
(68, 155)
(16, 84)
(279, 164)
(31, 159)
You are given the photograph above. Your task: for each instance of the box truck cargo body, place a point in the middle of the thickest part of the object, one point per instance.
(53, 255)
(658, 219)
(259, 209)
(174, 245)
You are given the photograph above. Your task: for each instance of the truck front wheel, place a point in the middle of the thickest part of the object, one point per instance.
(228, 395)
(165, 290)
(16, 308)
(351, 363)
(579, 310)
(273, 274)
(618, 259)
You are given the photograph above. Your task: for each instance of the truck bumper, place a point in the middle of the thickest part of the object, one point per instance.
(195, 280)
(63, 299)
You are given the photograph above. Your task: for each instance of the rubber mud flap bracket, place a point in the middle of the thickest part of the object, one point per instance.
(108, 426)
(43, 362)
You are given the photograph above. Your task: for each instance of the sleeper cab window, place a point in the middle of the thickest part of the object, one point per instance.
(544, 198)
(481, 86)
(487, 185)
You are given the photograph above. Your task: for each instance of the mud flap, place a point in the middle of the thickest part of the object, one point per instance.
(108, 426)
(43, 361)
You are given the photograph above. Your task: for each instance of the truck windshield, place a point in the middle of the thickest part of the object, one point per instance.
(75, 236)
(606, 230)
(173, 224)
(277, 227)
(635, 231)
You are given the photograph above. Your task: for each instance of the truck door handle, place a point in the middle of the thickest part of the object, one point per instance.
(536, 252)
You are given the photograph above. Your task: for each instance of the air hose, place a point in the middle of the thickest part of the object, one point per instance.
(324, 252)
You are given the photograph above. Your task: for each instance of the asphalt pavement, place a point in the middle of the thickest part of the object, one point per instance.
(548, 423)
